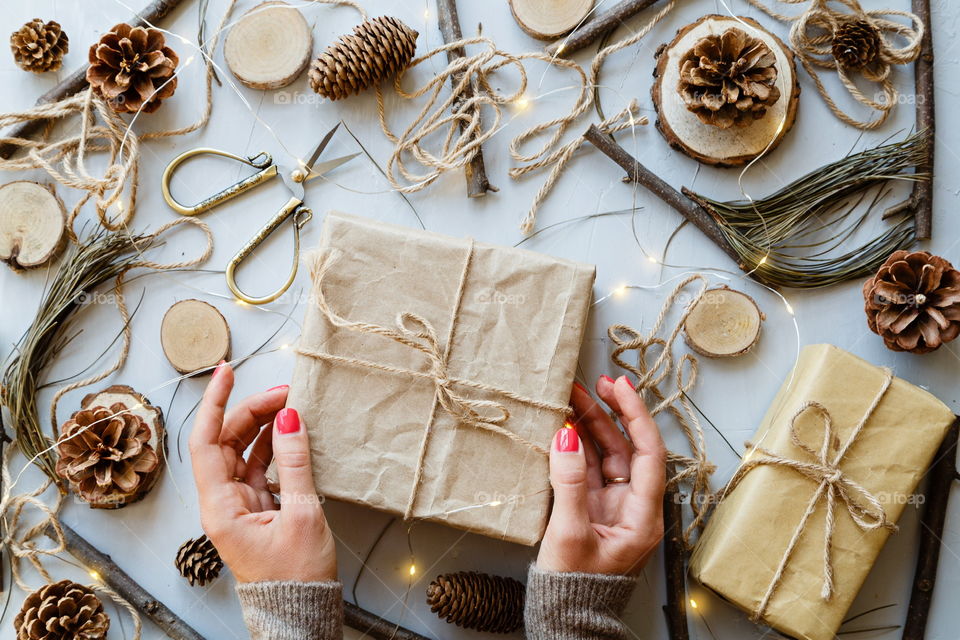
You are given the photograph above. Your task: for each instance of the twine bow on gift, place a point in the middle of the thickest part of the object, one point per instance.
(417, 333)
(864, 508)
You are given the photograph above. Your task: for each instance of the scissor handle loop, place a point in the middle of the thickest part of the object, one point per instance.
(262, 161)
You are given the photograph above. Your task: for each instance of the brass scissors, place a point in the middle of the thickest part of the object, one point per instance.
(293, 178)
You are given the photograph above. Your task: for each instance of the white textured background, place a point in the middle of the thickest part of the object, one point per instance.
(143, 538)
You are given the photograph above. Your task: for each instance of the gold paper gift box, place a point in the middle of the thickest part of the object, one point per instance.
(432, 373)
(840, 431)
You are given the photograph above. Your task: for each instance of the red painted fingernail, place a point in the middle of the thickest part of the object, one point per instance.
(580, 386)
(288, 421)
(628, 382)
(279, 386)
(218, 369)
(607, 378)
(567, 441)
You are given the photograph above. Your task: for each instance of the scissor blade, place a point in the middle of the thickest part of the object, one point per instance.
(320, 147)
(329, 165)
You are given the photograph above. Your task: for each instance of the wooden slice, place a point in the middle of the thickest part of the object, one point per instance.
(724, 323)
(549, 19)
(706, 143)
(32, 220)
(269, 46)
(194, 336)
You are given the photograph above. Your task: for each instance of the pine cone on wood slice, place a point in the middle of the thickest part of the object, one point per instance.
(112, 450)
(729, 79)
(376, 50)
(63, 610)
(492, 604)
(38, 46)
(856, 44)
(133, 69)
(198, 561)
(913, 302)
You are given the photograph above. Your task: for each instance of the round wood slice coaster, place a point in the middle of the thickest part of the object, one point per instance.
(724, 323)
(269, 46)
(706, 143)
(550, 19)
(194, 336)
(32, 220)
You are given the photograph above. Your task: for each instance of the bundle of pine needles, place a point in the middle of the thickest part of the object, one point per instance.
(778, 237)
(99, 257)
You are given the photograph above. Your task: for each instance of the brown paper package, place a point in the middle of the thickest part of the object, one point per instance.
(518, 328)
(749, 531)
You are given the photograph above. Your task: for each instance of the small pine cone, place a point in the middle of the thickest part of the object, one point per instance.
(376, 50)
(198, 561)
(64, 610)
(133, 68)
(480, 601)
(913, 302)
(39, 46)
(856, 43)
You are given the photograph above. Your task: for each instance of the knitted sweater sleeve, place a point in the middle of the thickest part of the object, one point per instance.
(575, 606)
(292, 610)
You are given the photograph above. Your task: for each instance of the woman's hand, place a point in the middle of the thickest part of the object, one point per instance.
(598, 526)
(255, 538)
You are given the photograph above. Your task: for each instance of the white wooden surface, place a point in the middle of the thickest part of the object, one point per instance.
(143, 538)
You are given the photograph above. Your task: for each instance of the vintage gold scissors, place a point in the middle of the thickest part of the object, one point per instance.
(293, 178)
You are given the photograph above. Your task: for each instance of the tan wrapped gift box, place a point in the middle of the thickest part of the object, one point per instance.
(432, 373)
(758, 530)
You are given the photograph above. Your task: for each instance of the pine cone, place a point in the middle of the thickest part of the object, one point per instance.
(198, 561)
(856, 44)
(480, 601)
(39, 46)
(377, 49)
(106, 454)
(729, 79)
(62, 611)
(133, 69)
(913, 302)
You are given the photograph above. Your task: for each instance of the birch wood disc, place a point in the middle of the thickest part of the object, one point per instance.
(724, 323)
(706, 143)
(32, 222)
(194, 336)
(549, 19)
(269, 46)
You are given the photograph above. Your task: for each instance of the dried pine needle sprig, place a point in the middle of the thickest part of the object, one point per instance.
(98, 258)
(770, 234)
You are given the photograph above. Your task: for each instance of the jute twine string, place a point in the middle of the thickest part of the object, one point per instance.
(417, 333)
(653, 372)
(811, 37)
(864, 508)
(458, 116)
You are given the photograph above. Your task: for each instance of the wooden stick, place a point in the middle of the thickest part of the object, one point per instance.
(674, 564)
(374, 626)
(476, 172)
(923, 70)
(638, 173)
(942, 474)
(118, 580)
(598, 27)
(77, 81)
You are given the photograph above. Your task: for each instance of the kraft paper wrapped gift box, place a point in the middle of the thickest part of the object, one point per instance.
(432, 373)
(789, 475)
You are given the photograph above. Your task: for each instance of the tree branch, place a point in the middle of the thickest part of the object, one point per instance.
(674, 561)
(597, 27)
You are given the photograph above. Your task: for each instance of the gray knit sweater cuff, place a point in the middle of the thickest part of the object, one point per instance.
(575, 606)
(292, 610)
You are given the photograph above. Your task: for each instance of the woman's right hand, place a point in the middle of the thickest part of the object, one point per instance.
(597, 526)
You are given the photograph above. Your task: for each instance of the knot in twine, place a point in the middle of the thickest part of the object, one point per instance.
(811, 37)
(416, 332)
(823, 469)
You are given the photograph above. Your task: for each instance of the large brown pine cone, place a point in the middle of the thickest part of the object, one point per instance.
(729, 79)
(480, 601)
(39, 46)
(198, 561)
(64, 610)
(132, 68)
(913, 302)
(106, 455)
(376, 50)
(856, 44)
